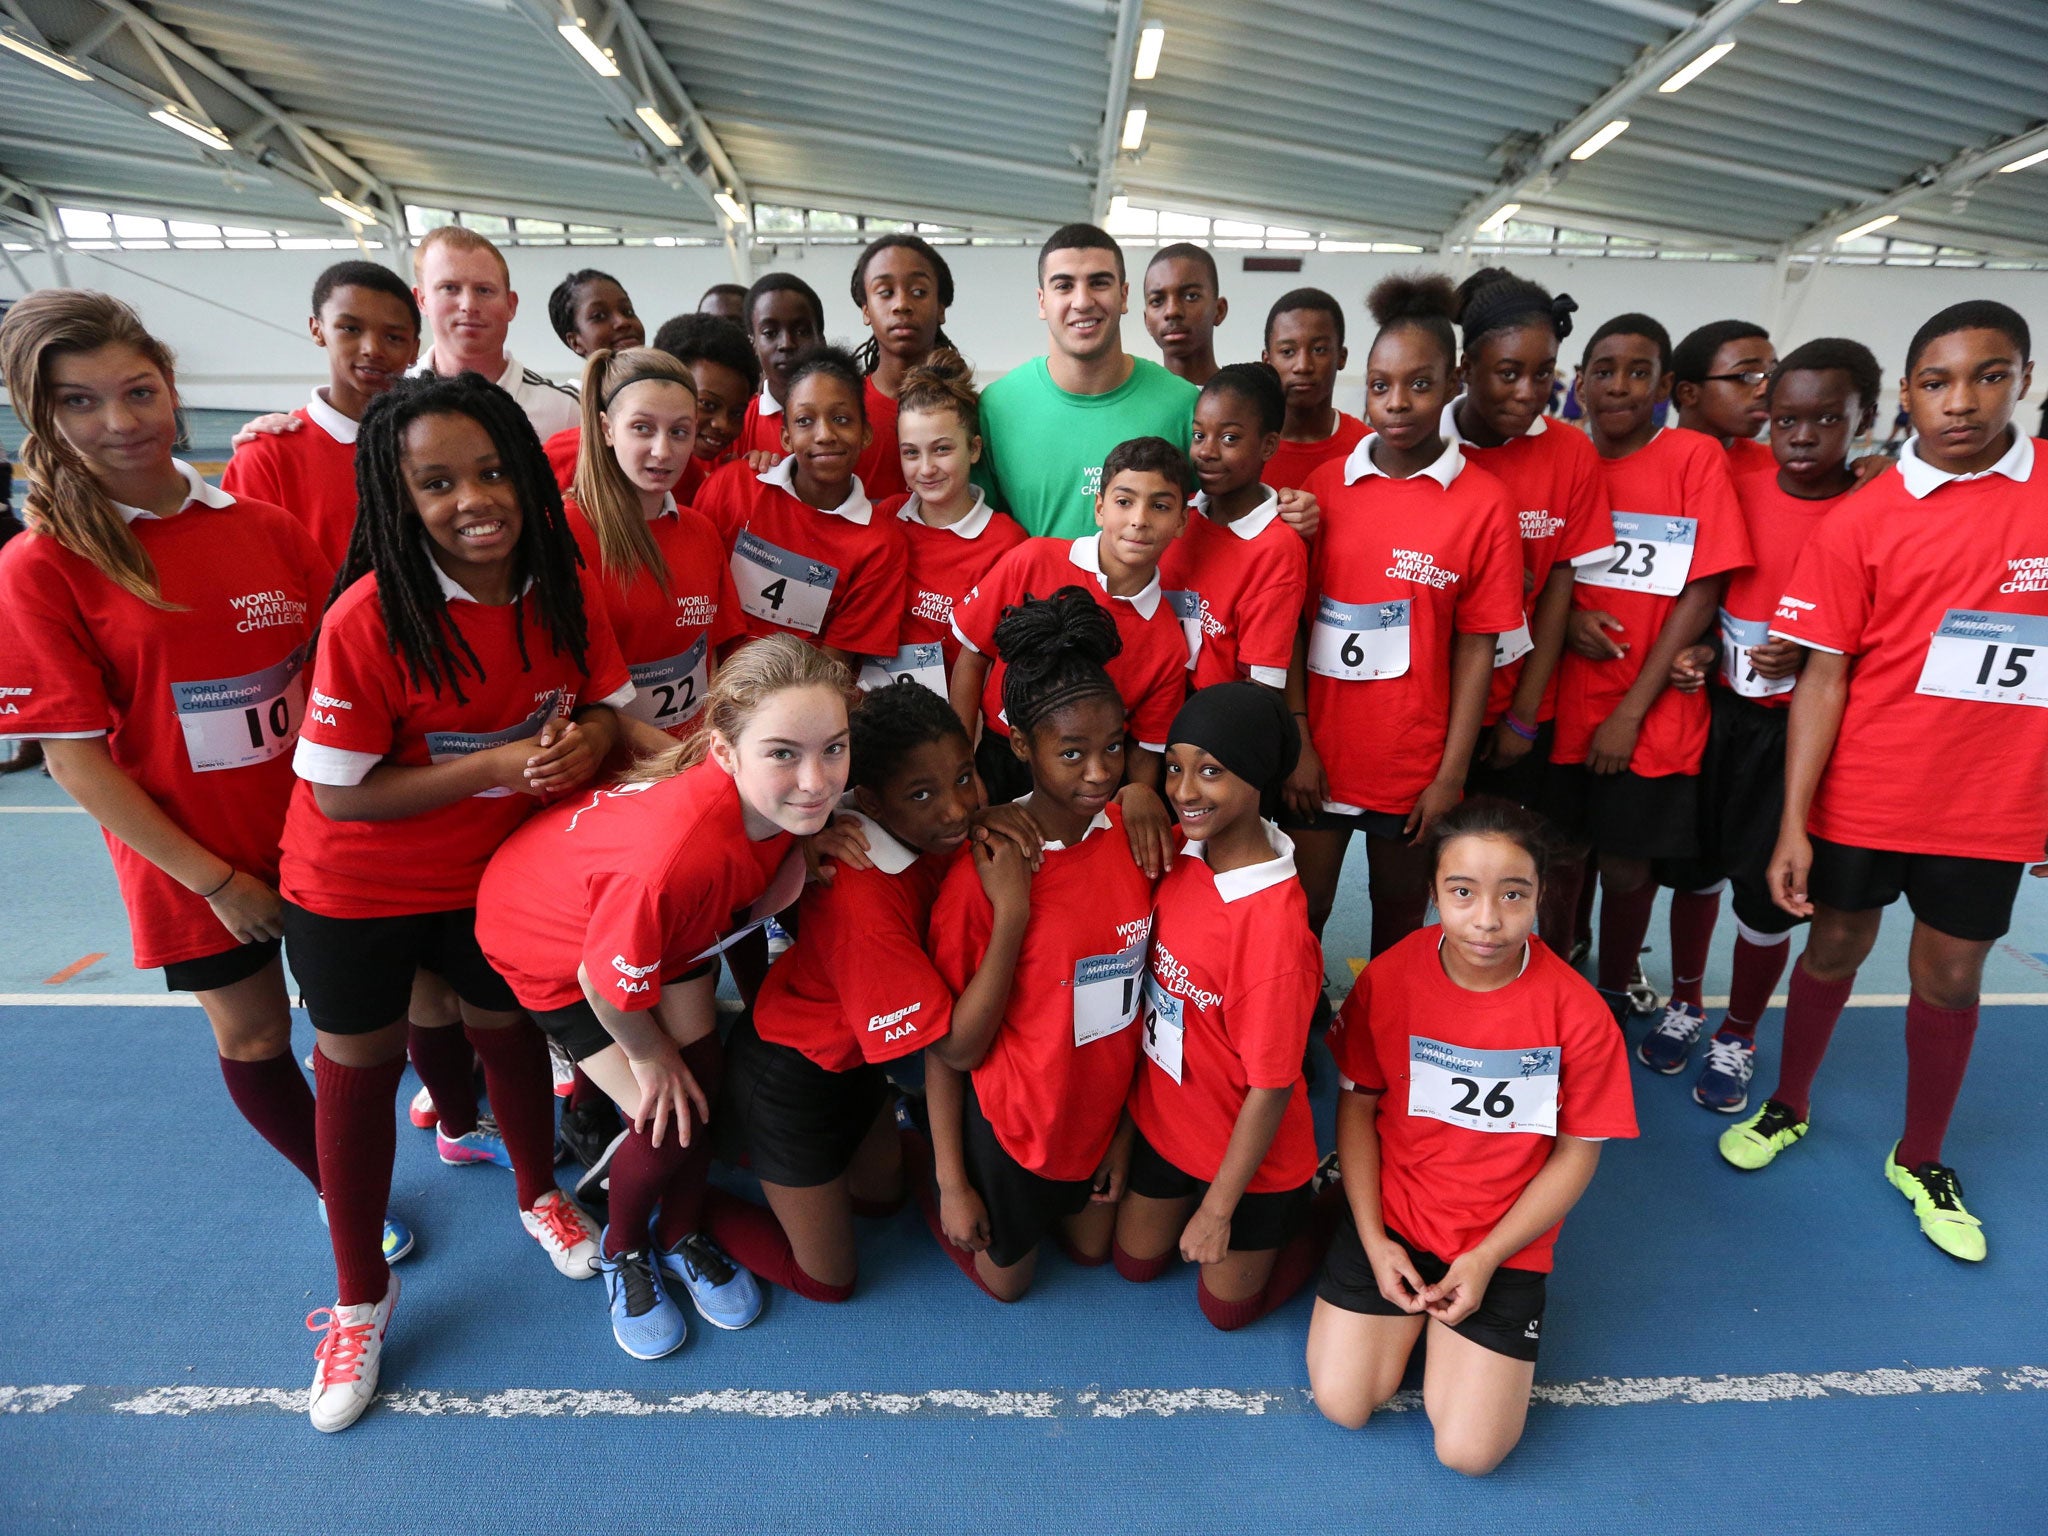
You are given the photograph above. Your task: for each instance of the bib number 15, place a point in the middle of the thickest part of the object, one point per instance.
(1997, 658)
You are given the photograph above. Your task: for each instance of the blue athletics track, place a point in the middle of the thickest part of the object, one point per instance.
(1723, 1351)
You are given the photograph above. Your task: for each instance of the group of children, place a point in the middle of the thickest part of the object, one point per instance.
(527, 729)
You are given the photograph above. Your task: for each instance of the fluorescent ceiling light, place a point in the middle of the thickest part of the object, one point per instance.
(205, 133)
(2020, 165)
(1150, 41)
(731, 206)
(1866, 228)
(350, 209)
(1601, 140)
(593, 55)
(1696, 68)
(659, 127)
(42, 56)
(1500, 216)
(1134, 127)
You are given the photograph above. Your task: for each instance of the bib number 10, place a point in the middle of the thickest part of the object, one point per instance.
(235, 722)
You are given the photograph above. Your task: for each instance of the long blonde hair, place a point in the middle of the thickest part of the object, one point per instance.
(65, 500)
(750, 677)
(609, 499)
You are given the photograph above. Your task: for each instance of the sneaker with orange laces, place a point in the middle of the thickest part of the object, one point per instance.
(559, 1226)
(345, 1364)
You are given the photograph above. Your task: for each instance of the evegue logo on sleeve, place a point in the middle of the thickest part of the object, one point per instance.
(894, 1025)
(634, 974)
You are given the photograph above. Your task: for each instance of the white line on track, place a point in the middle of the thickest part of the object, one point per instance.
(1079, 1403)
(42, 810)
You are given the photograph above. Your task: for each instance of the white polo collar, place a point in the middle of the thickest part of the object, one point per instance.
(1101, 823)
(1448, 466)
(769, 405)
(1922, 478)
(1086, 554)
(972, 526)
(1254, 522)
(1448, 425)
(196, 489)
(855, 509)
(1236, 884)
(668, 507)
(1528, 953)
(887, 854)
(324, 416)
(504, 381)
(452, 590)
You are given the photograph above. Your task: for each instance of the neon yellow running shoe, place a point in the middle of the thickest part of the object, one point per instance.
(1937, 1198)
(1753, 1144)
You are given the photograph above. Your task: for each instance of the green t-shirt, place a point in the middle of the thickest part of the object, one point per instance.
(1044, 447)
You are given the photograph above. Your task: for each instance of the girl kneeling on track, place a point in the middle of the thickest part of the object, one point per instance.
(1031, 1144)
(1479, 1075)
(806, 1097)
(1225, 1150)
(606, 914)
(457, 683)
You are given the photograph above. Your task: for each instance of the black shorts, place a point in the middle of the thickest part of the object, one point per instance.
(1024, 1208)
(1371, 823)
(1624, 814)
(798, 1123)
(1260, 1221)
(1003, 775)
(356, 972)
(1967, 899)
(1522, 782)
(1510, 1316)
(1741, 793)
(209, 972)
(576, 1028)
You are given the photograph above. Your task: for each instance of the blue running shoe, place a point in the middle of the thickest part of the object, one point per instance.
(725, 1295)
(779, 939)
(644, 1321)
(1723, 1084)
(482, 1145)
(397, 1235)
(1668, 1046)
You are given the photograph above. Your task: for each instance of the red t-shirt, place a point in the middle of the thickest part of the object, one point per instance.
(834, 578)
(1948, 591)
(1675, 522)
(633, 882)
(200, 704)
(1054, 1082)
(1778, 525)
(311, 473)
(1398, 568)
(1235, 973)
(1476, 1085)
(945, 565)
(1559, 497)
(880, 465)
(1747, 455)
(562, 450)
(1293, 463)
(667, 640)
(759, 430)
(1238, 589)
(1150, 672)
(367, 709)
(858, 984)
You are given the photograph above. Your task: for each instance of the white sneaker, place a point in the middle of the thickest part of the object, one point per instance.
(559, 1225)
(347, 1360)
(562, 1070)
(422, 1112)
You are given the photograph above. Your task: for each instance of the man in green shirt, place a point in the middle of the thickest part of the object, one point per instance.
(1049, 424)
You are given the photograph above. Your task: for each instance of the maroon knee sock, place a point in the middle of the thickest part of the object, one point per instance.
(1693, 915)
(1135, 1269)
(755, 1239)
(1937, 1055)
(928, 1206)
(682, 1198)
(447, 1069)
(1624, 919)
(1076, 1256)
(1228, 1316)
(358, 1137)
(584, 1093)
(1758, 969)
(1293, 1266)
(1811, 1010)
(640, 1171)
(273, 1097)
(522, 1089)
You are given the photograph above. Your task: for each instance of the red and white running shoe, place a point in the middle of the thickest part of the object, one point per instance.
(345, 1364)
(422, 1112)
(558, 1224)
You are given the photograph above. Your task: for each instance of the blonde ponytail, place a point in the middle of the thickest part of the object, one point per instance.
(625, 547)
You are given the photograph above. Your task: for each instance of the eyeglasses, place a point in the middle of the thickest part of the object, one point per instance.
(1751, 379)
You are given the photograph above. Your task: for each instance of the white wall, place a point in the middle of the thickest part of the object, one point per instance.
(236, 318)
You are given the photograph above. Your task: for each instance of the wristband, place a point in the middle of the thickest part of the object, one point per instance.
(1526, 732)
(1300, 714)
(225, 879)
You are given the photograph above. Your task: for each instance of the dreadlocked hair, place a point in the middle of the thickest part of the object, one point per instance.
(390, 542)
(749, 678)
(1054, 651)
(869, 355)
(943, 382)
(625, 546)
(65, 500)
(891, 723)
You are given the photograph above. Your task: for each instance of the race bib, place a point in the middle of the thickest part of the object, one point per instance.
(1738, 638)
(1651, 554)
(1165, 1031)
(1107, 991)
(1512, 646)
(2000, 658)
(446, 746)
(1359, 643)
(233, 722)
(1496, 1091)
(1187, 607)
(667, 693)
(924, 663)
(779, 586)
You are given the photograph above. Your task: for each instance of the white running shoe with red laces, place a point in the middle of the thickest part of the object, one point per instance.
(345, 1365)
(558, 1224)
